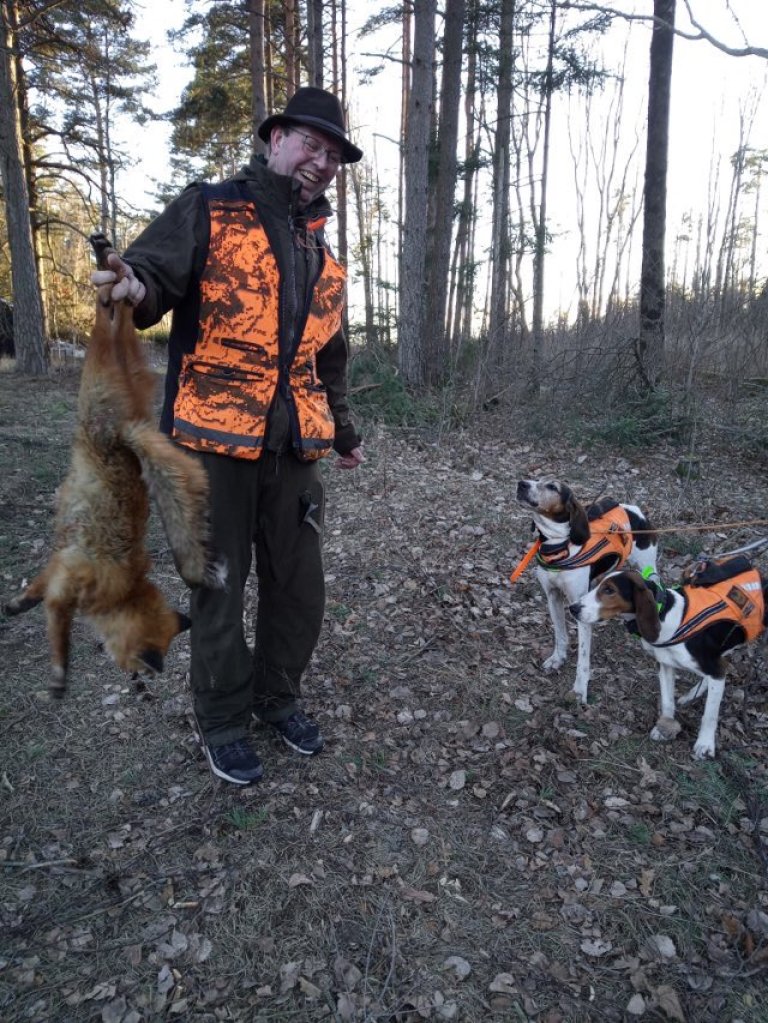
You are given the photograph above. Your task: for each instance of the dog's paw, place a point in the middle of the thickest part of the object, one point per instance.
(580, 692)
(554, 662)
(704, 749)
(665, 730)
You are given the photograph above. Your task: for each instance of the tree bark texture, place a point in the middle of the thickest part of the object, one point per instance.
(28, 321)
(502, 244)
(315, 42)
(537, 333)
(413, 280)
(257, 36)
(444, 192)
(650, 349)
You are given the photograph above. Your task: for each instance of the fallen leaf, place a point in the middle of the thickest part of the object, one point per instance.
(596, 947)
(662, 945)
(504, 983)
(460, 967)
(646, 882)
(114, 1012)
(668, 1001)
(417, 895)
(309, 989)
(419, 836)
(346, 1008)
(346, 973)
(298, 879)
(289, 976)
(636, 1005)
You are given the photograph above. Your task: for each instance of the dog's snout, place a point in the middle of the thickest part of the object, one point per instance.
(575, 609)
(523, 486)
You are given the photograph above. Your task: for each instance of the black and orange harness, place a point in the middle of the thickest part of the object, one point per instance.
(713, 595)
(610, 535)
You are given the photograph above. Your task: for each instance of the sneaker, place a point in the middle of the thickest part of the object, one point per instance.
(300, 733)
(235, 762)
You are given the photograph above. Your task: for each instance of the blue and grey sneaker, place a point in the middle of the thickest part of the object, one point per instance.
(300, 733)
(235, 762)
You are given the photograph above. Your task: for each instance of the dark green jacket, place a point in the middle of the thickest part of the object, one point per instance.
(169, 256)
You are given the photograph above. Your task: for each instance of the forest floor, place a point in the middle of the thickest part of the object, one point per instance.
(470, 845)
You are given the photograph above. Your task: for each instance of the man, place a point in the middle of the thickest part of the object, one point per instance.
(256, 386)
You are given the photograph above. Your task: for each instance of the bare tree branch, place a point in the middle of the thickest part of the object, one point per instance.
(700, 34)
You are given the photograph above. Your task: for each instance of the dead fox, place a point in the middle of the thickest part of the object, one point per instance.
(99, 566)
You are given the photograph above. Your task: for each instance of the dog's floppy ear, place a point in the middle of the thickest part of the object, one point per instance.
(577, 520)
(646, 611)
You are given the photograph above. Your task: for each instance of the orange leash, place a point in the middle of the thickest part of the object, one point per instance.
(527, 558)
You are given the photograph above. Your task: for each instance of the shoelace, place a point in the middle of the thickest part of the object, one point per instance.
(239, 748)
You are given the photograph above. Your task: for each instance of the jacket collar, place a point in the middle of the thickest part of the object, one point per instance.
(282, 190)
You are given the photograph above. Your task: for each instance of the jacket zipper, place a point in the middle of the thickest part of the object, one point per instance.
(285, 389)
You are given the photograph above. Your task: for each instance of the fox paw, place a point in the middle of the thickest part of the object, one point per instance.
(665, 729)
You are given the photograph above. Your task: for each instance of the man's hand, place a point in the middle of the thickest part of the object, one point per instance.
(119, 282)
(350, 461)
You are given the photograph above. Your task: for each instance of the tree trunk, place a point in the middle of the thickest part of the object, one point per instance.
(444, 191)
(315, 42)
(28, 322)
(361, 188)
(537, 332)
(341, 181)
(291, 51)
(650, 346)
(463, 265)
(413, 279)
(502, 243)
(258, 71)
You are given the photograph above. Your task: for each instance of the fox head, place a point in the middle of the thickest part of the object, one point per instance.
(138, 631)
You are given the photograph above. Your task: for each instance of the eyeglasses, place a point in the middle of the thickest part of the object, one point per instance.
(315, 148)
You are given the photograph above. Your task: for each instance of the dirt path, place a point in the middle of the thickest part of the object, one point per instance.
(471, 844)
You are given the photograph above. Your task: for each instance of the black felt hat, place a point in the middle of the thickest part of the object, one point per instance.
(317, 109)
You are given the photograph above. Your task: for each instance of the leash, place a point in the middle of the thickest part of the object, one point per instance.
(703, 528)
(525, 561)
(755, 545)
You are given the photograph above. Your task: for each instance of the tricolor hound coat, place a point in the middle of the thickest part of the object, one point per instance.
(576, 546)
(690, 627)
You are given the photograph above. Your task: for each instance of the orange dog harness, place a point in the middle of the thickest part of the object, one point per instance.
(610, 534)
(738, 600)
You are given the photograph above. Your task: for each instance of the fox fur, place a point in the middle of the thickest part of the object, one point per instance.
(99, 566)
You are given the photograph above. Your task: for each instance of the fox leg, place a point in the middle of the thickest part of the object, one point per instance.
(60, 614)
(33, 595)
(179, 486)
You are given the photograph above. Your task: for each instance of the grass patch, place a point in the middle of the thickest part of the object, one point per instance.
(247, 820)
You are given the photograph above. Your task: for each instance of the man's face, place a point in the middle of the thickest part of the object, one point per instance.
(306, 155)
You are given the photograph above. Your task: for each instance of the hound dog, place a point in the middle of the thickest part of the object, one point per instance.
(719, 606)
(575, 546)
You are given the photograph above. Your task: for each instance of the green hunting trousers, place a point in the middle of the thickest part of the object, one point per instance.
(273, 508)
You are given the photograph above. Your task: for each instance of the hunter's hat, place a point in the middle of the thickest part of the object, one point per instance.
(317, 109)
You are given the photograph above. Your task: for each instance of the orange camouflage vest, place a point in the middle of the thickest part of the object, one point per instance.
(609, 534)
(738, 600)
(226, 386)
